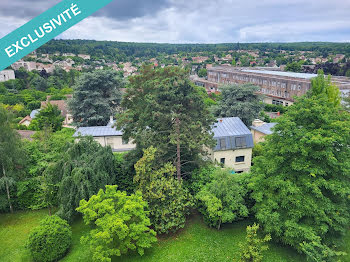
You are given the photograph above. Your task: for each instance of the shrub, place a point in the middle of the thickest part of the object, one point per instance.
(254, 247)
(50, 240)
(222, 200)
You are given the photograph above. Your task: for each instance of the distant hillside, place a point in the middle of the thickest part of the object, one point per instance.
(122, 50)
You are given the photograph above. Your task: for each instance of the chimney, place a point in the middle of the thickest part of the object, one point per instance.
(258, 122)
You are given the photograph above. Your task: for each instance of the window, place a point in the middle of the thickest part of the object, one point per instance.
(240, 142)
(222, 143)
(239, 159)
(222, 161)
(125, 142)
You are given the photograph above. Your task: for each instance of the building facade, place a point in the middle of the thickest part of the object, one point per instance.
(260, 129)
(278, 87)
(6, 75)
(106, 136)
(234, 144)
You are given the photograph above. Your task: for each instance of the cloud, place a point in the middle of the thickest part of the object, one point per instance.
(183, 21)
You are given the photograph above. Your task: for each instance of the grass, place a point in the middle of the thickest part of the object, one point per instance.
(196, 242)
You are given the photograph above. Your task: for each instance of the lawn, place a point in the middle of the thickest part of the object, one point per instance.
(196, 242)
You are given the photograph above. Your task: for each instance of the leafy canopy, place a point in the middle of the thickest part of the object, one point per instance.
(120, 224)
(239, 101)
(301, 181)
(165, 110)
(96, 97)
(222, 199)
(169, 201)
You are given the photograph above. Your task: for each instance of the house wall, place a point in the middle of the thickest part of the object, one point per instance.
(258, 136)
(6, 75)
(116, 143)
(26, 123)
(230, 158)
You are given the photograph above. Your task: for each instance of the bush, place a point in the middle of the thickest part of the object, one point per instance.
(222, 200)
(50, 240)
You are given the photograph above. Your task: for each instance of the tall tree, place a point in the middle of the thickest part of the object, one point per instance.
(11, 154)
(164, 109)
(239, 101)
(84, 169)
(96, 97)
(301, 180)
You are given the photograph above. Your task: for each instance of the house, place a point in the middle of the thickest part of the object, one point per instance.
(25, 121)
(234, 144)
(28, 119)
(6, 75)
(260, 129)
(106, 136)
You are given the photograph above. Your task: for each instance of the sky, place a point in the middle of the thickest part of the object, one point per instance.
(198, 21)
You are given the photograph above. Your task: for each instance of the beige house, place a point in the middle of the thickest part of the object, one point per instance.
(234, 144)
(260, 129)
(106, 136)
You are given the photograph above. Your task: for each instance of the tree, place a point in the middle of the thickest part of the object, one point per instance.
(239, 101)
(120, 224)
(39, 83)
(202, 72)
(48, 117)
(12, 156)
(346, 104)
(252, 250)
(222, 199)
(294, 67)
(169, 201)
(84, 169)
(96, 97)
(301, 181)
(164, 109)
(322, 86)
(50, 240)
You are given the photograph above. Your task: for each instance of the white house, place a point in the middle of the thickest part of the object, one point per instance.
(6, 75)
(234, 144)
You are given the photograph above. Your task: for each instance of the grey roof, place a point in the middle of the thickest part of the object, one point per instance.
(265, 128)
(34, 113)
(281, 73)
(97, 131)
(229, 128)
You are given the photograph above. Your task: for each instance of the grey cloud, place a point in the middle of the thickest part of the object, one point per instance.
(128, 9)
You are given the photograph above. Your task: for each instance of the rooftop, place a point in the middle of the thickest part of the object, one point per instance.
(282, 73)
(97, 131)
(230, 126)
(265, 128)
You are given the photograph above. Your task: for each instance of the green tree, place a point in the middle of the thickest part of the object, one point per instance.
(164, 109)
(169, 201)
(346, 104)
(294, 67)
(322, 86)
(50, 240)
(252, 249)
(12, 156)
(239, 101)
(39, 83)
(120, 224)
(48, 117)
(202, 72)
(222, 199)
(96, 97)
(301, 181)
(84, 169)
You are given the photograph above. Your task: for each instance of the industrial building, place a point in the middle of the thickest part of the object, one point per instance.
(278, 87)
